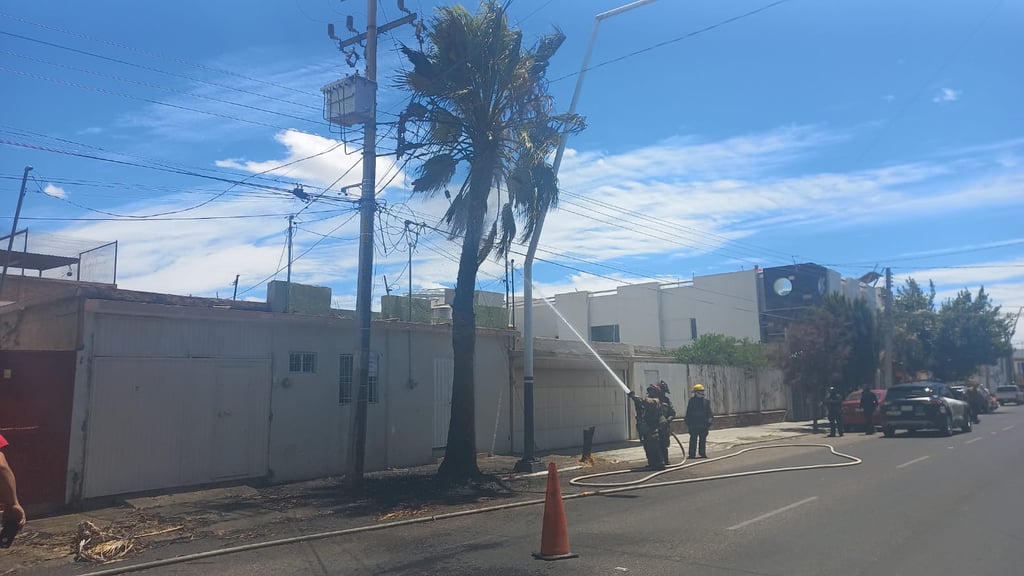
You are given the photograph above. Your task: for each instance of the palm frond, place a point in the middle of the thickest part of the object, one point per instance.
(487, 245)
(435, 173)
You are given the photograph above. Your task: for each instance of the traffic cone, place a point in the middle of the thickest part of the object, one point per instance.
(554, 538)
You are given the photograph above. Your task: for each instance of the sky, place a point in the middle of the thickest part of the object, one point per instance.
(721, 135)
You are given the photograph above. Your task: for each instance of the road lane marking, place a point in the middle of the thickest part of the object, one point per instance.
(972, 440)
(914, 461)
(772, 513)
(992, 433)
(950, 447)
(1010, 427)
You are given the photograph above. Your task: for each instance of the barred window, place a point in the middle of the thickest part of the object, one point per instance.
(347, 377)
(302, 362)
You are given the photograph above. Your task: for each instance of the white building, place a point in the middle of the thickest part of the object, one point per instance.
(754, 304)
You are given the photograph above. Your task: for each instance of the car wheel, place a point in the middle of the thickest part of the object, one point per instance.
(967, 423)
(888, 431)
(947, 430)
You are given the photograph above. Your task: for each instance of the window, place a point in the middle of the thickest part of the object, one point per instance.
(346, 378)
(693, 328)
(609, 333)
(302, 362)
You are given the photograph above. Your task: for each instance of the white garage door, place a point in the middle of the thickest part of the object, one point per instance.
(167, 422)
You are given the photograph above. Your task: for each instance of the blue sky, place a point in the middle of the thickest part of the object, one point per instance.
(721, 135)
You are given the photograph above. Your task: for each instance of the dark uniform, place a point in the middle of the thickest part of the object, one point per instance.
(668, 412)
(976, 401)
(868, 403)
(834, 405)
(649, 417)
(698, 421)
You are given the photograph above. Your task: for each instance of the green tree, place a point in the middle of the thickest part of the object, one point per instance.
(816, 351)
(721, 350)
(860, 332)
(914, 321)
(970, 332)
(479, 105)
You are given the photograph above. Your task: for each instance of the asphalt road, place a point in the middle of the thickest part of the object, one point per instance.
(917, 505)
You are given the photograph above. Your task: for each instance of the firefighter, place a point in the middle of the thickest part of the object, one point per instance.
(648, 417)
(698, 421)
(668, 412)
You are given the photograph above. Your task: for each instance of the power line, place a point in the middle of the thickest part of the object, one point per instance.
(670, 223)
(677, 39)
(154, 54)
(159, 87)
(295, 259)
(140, 165)
(23, 133)
(995, 246)
(152, 69)
(147, 100)
(170, 219)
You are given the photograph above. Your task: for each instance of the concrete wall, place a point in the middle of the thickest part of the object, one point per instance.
(308, 432)
(727, 304)
(639, 311)
(731, 390)
(575, 306)
(545, 323)
(677, 308)
(659, 316)
(52, 326)
(604, 310)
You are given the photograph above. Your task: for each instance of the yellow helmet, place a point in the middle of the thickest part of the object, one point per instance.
(698, 387)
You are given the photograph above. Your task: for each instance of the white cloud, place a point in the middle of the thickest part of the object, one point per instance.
(55, 191)
(642, 213)
(889, 97)
(946, 95)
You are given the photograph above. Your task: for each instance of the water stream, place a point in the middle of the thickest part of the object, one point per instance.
(587, 344)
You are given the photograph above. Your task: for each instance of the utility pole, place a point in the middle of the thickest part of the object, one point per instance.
(288, 284)
(887, 374)
(14, 228)
(408, 230)
(512, 311)
(367, 207)
(235, 295)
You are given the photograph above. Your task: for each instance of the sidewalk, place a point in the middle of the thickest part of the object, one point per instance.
(142, 527)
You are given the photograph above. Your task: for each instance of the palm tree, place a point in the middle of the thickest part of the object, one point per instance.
(479, 108)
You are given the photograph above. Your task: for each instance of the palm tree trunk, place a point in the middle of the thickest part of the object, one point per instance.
(460, 452)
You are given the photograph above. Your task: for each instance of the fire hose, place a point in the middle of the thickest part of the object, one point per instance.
(587, 480)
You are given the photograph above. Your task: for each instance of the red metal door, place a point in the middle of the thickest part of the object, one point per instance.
(36, 389)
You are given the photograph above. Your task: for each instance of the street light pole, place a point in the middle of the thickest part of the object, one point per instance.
(14, 227)
(529, 463)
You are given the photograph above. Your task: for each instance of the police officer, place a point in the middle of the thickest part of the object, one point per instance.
(698, 421)
(648, 417)
(868, 403)
(976, 401)
(834, 405)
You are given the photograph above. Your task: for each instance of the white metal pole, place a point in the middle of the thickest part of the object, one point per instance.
(528, 462)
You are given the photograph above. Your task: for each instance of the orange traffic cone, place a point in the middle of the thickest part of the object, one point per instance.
(554, 538)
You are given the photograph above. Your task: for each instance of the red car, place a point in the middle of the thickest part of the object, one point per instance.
(853, 416)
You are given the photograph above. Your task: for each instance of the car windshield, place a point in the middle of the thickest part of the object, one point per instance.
(910, 392)
(855, 395)
(1007, 389)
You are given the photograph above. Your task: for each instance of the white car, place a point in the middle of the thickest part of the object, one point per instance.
(1009, 393)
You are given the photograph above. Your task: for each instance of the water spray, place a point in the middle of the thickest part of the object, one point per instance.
(589, 347)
